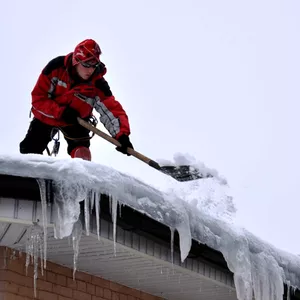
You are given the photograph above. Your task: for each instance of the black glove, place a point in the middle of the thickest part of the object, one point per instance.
(70, 115)
(125, 142)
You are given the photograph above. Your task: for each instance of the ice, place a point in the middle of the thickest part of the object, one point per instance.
(34, 251)
(114, 207)
(87, 215)
(76, 237)
(66, 205)
(42, 186)
(206, 196)
(201, 210)
(172, 244)
(97, 205)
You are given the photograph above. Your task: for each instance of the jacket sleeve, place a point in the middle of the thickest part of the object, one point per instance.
(112, 114)
(41, 96)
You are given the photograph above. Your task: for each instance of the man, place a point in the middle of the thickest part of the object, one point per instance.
(69, 87)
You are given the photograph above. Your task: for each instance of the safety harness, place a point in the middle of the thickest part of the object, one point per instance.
(55, 136)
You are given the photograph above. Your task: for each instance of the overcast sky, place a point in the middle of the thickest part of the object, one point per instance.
(216, 79)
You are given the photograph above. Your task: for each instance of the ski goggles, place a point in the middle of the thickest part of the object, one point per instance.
(90, 64)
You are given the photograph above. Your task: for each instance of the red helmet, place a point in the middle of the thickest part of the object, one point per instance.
(86, 50)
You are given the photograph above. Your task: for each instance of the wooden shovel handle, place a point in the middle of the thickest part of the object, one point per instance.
(110, 139)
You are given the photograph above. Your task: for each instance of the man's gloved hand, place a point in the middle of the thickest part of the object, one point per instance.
(125, 142)
(70, 115)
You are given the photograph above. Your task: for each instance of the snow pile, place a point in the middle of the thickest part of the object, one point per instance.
(181, 159)
(258, 267)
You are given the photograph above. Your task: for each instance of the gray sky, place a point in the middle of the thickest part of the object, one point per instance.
(216, 79)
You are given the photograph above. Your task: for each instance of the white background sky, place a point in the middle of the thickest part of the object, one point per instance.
(216, 79)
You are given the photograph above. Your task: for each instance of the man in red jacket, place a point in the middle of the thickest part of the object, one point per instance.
(71, 86)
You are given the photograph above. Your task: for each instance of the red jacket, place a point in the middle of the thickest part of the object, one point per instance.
(55, 89)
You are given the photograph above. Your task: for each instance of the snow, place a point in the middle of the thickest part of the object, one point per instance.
(181, 159)
(200, 209)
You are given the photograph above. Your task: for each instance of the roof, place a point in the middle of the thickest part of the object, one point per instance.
(203, 247)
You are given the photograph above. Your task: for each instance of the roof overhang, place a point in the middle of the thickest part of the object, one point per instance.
(143, 259)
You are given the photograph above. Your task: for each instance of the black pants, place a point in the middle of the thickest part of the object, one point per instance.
(39, 135)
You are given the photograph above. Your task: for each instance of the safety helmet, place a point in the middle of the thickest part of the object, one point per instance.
(86, 50)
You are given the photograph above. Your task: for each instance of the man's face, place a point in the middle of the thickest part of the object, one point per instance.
(84, 72)
(86, 68)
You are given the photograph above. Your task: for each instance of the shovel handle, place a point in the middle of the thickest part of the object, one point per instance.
(113, 141)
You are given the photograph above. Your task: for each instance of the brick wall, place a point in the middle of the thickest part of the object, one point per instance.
(57, 283)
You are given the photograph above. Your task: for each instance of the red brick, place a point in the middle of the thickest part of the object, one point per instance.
(62, 290)
(26, 291)
(42, 295)
(61, 280)
(44, 285)
(107, 294)
(97, 298)
(115, 286)
(77, 295)
(145, 296)
(16, 278)
(10, 296)
(3, 251)
(51, 277)
(16, 265)
(124, 289)
(115, 296)
(81, 286)
(58, 269)
(99, 291)
(6, 286)
(100, 282)
(29, 270)
(83, 277)
(71, 283)
(3, 263)
(63, 298)
(91, 289)
(58, 284)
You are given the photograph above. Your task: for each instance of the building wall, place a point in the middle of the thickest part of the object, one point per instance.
(57, 283)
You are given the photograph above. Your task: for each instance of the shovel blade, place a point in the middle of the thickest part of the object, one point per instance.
(184, 173)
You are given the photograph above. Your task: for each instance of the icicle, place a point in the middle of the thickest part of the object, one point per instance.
(87, 215)
(288, 287)
(43, 193)
(172, 246)
(97, 204)
(76, 237)
(293, 290)
(92, 199)
(114, 208)
(34, 248)
(110, 203)
(67, 197)
(120, 210)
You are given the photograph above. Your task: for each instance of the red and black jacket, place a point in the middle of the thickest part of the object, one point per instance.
(58, 78)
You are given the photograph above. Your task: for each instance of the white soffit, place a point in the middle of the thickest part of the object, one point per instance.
(139, 262)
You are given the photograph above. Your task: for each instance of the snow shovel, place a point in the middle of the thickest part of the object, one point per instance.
(180, 173)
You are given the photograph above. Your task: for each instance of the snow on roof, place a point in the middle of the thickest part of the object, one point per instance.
(258, 267)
